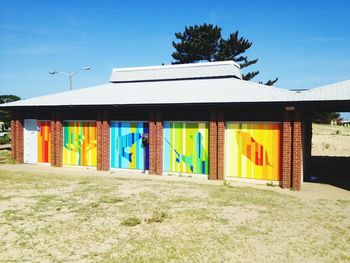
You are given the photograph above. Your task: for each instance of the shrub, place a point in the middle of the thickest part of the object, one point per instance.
(5, 140)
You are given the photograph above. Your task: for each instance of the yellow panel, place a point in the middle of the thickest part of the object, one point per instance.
(253, 151)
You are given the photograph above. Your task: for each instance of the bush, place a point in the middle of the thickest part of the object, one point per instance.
(5, 139)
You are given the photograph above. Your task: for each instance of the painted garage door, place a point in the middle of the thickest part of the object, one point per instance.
(186, 147)
(44, 141)
(127, 151)
(79, 143)
(253, 150)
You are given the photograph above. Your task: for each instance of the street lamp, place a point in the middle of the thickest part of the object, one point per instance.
(69, 74)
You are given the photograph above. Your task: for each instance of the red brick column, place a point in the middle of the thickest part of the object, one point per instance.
(159, 143)
(152, 143)
(20, 142)
(297, 153)
(286, 151)
(13, 136)
(105, 141)
(53, 138)
(59, 140)
(17, 139)
(213, 146)
(99, 140)
(221, 146)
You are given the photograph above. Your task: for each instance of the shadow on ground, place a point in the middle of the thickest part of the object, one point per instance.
(329, 170)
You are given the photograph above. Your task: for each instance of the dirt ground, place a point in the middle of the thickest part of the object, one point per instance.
(330, 140)
(75, 215)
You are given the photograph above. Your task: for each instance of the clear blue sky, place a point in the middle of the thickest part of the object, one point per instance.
(304, 43)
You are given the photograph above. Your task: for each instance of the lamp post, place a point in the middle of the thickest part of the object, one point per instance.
(69, 74)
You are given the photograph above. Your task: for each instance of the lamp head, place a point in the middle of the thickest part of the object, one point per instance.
(86, 68)
(53, 72)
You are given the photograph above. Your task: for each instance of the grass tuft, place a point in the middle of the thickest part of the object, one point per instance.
(157, 217)
(110, 199)
(131, 221)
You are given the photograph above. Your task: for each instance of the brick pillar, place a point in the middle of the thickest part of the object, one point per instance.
(19, 149)
(59, 140)
(213, 146)
(13, 136)
(159, 143)
(297, 153)
(221, 146)
(105, 141)
(286, 151)
(152, 143)
(99, 140)
(53, 138)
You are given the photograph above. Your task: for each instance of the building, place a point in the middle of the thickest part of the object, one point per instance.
(201, 119)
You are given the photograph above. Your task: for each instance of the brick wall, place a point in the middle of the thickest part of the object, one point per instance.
(286, 151)
(291, 162)
(221, 145)
(297, 153)
(53, 139)
(99, 140)
(159, 143)
(213, 146)
(13, 139)
(152, 143)
(59, 140)
(17, 141)
(103, 141)
(20, 149)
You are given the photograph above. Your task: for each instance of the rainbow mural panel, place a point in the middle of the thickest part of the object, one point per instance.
(253, 150)
(44, 141)
(186, 147)
(127, 151)
(79, 143)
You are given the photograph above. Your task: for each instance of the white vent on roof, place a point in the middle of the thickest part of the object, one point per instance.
(172, 72)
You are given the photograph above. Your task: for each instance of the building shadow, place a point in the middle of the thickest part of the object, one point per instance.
(329, 170)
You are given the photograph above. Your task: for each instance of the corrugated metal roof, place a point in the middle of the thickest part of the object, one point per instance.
(197, 89)
(333, 92)
(164, 92)
(183, 71)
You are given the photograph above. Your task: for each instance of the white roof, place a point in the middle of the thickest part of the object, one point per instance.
(332, 92)
(164, 92)
(183, 84)
(181, 71)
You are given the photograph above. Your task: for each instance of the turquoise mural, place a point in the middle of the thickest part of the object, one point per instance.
(127, 150)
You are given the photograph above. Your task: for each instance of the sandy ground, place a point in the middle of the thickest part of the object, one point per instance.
(330, 140)
(74, 215)
(309, 191)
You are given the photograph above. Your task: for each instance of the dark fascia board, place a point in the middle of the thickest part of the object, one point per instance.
(177, 79)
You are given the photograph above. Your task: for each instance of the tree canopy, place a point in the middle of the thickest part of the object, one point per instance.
(205, 43)
(5, 115)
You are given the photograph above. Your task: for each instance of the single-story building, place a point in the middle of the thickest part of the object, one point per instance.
(201, 119)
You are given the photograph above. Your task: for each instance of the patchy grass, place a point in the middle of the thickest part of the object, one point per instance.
(46, 217)
(5, 157)
(131, 221)
(157, 217)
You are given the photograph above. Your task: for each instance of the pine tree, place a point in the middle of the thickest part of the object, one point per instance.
(205, 43)
(197, 43)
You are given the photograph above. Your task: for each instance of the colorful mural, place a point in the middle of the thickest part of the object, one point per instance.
(253, 150)
(186, 147)
(79, 143)
(127, 150)
(44, 141)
